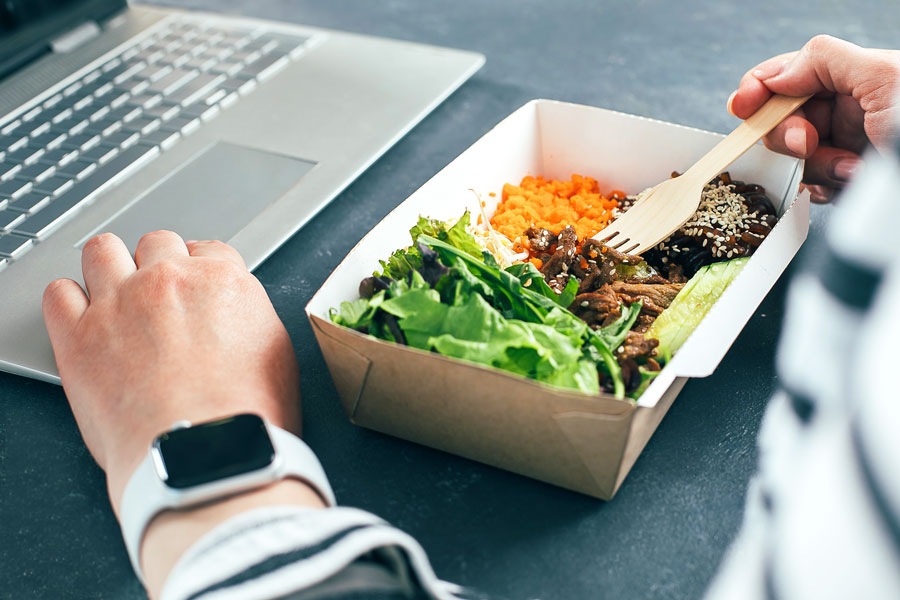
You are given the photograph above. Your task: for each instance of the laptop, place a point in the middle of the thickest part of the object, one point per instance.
(126, 118)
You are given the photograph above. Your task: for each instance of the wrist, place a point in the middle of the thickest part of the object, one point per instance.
(191, 466)
(172, 532)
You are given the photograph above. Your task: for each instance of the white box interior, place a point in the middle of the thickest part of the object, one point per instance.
(621, 151)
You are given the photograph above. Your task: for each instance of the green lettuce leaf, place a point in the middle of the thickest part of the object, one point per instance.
(531, 278)
(357, 314)
(402, 261)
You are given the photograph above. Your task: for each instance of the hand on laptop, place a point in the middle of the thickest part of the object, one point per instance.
(855, 104)
(182, 331)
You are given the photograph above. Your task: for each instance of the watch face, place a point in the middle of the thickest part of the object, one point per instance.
(211, 451)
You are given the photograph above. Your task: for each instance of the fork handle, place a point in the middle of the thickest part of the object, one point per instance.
(765, 119)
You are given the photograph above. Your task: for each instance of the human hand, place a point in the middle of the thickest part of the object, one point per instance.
(182, 331)
(857, 101)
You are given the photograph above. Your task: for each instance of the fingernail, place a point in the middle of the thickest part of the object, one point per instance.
(844, 169)
(769, 69)
(730, 100)
(190, 241)
(795, 140)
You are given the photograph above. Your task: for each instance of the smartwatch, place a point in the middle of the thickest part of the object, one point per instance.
(194, 464)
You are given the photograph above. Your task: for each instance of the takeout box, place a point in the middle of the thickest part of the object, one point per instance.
(584, 443)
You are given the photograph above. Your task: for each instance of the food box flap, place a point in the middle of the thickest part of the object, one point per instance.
(349, 373)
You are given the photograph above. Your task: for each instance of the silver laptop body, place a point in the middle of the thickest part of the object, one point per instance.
(243, 138)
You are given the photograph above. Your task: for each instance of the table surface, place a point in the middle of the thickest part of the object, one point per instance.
(668, 527)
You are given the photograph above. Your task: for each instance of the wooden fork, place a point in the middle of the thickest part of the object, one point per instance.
(669, 204)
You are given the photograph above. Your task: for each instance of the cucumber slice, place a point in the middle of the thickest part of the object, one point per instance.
(678, 321)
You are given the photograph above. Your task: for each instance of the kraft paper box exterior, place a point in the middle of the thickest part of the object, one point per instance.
(584, 443)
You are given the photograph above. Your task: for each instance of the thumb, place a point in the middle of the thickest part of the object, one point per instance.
(828, 65)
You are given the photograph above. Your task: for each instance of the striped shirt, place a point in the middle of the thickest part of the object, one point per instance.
(823, 513)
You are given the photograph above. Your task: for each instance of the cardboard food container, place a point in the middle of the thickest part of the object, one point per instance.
(580, 442)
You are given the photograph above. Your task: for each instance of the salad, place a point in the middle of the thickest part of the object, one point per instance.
(529, 292)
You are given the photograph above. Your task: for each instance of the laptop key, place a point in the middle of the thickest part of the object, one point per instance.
(64, 113)
(54, 186)
(71, 126)
(78, 169)
(49, 140)
(8, 170)
(99, 154)
(145, 100)
(195, 89)
(29, 203)
(14, 246)
(163, 112)
(201, 63)
(175, 59)
(58, 156)
(11, 143)
(31, 114)
(105, 126)
(92, 76)
(10, 218)
(10, 127)
(83, 103)
(201, 111)
(104, 90)
(41, 129)
(162, 138)
(112, 65)
(125, 113)
(13, 188)
(182, 124)
(154, 72)
(172, 81)
(133, 86)
(36, 172)
(81, 141)
(26, 155)
(121, 139)
(142, 125)
(67, 205)
(227, 68)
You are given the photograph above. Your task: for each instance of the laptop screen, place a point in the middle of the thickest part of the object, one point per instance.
(27, 26)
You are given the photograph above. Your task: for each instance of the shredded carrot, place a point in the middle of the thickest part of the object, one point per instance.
(553, 205)
(536, 262)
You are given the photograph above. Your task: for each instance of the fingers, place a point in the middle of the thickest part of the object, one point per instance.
(829, 64)
(215, 249)
(63, 304)
(750, 95)
(848, 128)
(819, 194)
(159, 246)
(794, 136)
(105, 264)
(831, 167)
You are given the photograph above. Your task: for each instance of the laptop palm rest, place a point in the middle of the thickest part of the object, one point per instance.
(211, 197)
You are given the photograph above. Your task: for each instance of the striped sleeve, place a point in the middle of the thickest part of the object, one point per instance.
(823, 512)
(306, 554)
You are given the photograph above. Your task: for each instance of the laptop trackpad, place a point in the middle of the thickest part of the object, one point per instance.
(211, 197)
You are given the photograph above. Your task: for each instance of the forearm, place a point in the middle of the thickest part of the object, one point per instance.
(171, 533)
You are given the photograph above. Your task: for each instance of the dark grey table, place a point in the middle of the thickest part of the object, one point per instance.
(667, 529)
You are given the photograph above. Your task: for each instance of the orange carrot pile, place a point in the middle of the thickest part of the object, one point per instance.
(553, 205)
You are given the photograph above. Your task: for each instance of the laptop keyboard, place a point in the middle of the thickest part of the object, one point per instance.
(58, 156)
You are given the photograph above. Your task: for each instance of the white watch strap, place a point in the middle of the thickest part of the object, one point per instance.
(146, 494)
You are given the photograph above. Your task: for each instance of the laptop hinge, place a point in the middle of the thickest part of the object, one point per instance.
(75, 37)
